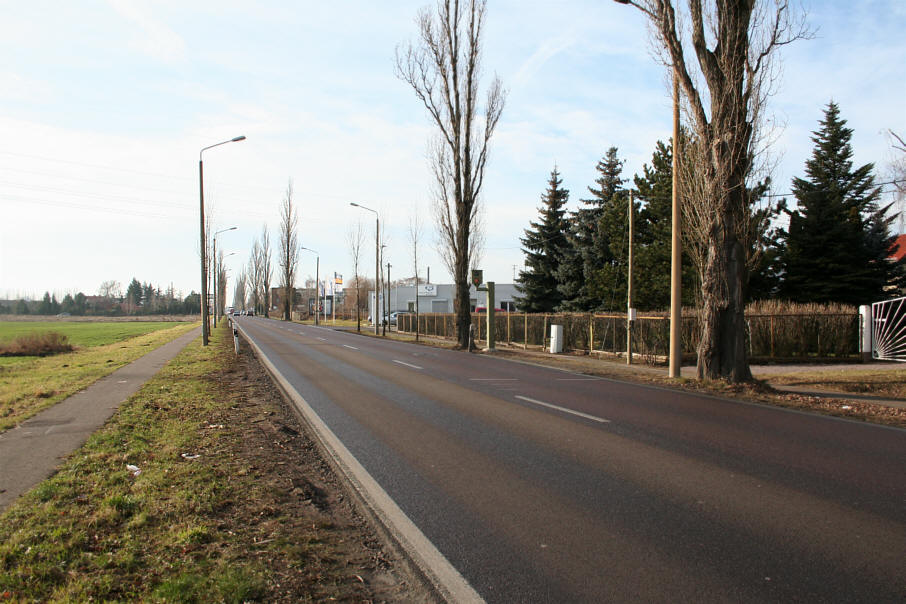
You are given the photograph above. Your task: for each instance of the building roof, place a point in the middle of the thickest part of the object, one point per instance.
(898, 249)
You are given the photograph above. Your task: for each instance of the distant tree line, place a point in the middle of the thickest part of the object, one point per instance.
(139, 299)
(833, 247)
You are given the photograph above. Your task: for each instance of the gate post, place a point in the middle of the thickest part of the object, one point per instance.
(865, 339)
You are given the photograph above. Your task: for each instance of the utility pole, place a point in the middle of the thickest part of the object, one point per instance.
(676, 283)
(629, 310)
(387, 302)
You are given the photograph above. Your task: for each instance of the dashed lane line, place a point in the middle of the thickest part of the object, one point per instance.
(348, 346)
(563, 409)
(406, 364)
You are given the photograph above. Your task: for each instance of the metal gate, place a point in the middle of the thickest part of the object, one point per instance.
(888, 330)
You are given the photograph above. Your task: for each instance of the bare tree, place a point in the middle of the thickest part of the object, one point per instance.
(737, 72)
(254, 273)
(355, 237)
(896, 170)
(289, 250)
(239, 291)
(110, 289)
(444, 69)
(266, 269)
(221, 282)
(415, 235)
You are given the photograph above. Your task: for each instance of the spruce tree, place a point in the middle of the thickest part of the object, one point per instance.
(46, 306)
(837, 240)
(134, 293)
(584, 278)
(544, 246)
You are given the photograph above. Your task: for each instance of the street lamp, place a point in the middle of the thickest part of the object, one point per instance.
(204, 267)
(215, 269)
(377, 260)
(317, 279)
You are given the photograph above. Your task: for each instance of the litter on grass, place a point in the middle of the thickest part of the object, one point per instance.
(190, 456)
(134, 469)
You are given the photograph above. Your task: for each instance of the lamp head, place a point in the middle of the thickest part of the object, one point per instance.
(238, 138)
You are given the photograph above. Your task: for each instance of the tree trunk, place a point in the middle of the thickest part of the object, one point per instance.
(461, 300)
(722, 347)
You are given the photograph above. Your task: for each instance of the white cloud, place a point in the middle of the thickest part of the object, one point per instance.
(158, 40)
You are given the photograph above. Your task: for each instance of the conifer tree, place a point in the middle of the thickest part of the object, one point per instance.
(134, 293)
(545, 246)
(46, 307)
(838, 238)
(583, 283)
(652, 245)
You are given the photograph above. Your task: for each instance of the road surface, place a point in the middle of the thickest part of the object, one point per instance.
(539, 485)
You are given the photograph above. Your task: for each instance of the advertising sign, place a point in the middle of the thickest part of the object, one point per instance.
(427, 289)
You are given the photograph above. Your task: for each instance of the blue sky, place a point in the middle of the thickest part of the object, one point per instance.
(105, 105)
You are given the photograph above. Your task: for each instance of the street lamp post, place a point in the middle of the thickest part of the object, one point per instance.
(317, 281)
(377, 260)
(204, 266)
(387, 301)
(215, 269)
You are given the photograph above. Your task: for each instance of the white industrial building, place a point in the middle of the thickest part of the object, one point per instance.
(438, 298)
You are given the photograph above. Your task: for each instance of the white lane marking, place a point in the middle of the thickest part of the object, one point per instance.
(406, 364)
(582, 379)
(563, 409)
(323, 339)
(348, 346)
(493, 380)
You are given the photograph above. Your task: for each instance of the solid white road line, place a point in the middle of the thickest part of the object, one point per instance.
(563, 409)
(348, 346)
(406, 364)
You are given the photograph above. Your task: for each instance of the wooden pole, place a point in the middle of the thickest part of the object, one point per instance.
(629, 289)
(676, 247)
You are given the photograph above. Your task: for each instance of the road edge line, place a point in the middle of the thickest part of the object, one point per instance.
(431, 563)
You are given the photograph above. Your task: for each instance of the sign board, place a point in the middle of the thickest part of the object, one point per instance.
(477, 277)
(338, 282)
(427, 289)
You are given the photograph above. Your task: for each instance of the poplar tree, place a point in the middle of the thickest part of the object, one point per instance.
(544, 246)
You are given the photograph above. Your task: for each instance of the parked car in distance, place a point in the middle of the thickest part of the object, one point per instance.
(250, 312)
(393, 316)
(481, 309)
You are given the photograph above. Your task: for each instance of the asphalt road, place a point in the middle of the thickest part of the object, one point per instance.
(540, 485)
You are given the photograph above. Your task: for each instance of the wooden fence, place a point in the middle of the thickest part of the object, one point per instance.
(770, 337)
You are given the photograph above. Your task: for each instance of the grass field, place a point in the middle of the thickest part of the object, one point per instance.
(82, 334)
(31, 384)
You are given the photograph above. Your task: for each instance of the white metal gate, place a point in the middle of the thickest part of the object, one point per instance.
(888, 330)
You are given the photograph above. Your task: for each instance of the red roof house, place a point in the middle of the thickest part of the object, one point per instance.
(898, 249)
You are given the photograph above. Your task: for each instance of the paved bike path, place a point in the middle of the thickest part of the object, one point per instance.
(31, 451)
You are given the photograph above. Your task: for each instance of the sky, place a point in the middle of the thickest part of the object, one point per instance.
(105, 105)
